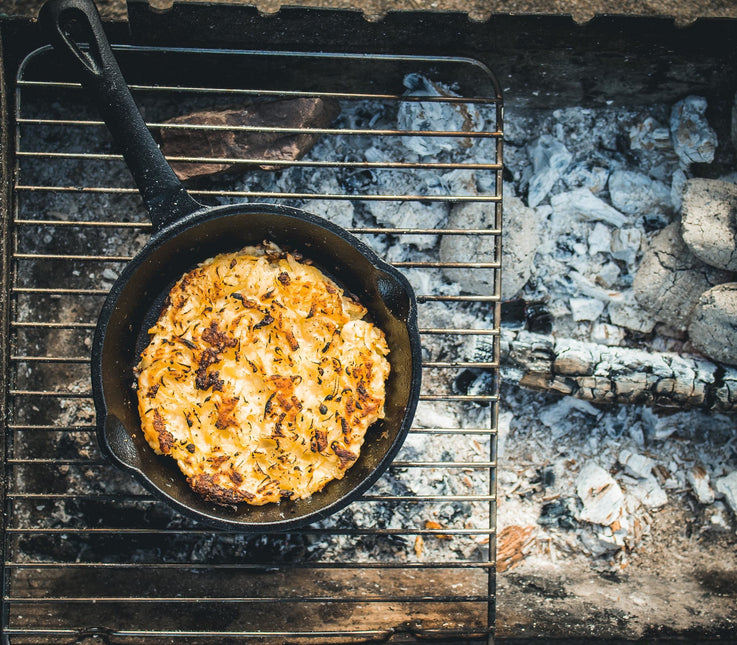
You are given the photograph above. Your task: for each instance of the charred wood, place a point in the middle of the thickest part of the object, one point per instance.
(605, 374)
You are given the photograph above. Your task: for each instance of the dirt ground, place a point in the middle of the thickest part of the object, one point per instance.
(685, 587)
(581, 11)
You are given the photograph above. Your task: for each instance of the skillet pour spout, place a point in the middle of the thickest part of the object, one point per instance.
(185, 234)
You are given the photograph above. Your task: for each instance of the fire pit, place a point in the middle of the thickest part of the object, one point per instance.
(89, 557)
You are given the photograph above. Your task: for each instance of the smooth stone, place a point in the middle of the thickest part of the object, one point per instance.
(635, 193)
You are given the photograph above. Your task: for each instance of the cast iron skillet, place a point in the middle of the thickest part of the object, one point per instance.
(185, 233)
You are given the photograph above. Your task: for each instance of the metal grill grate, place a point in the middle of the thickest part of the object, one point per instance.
(88, 554)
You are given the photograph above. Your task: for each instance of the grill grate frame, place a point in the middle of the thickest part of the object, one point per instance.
(87, 553)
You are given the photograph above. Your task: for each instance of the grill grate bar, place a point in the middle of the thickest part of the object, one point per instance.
(61, 291)
(17, 427)
(264, 566)
(261, 129)
(397, 463)
(82, 224)
(491, 232)
(363, 498)
(50, 359)
(103, 292)
(466, 398)
(246, 194)
(425, 364)
(248, 161)
(91, 427)
(176, 600)
(51, 325)
(102, 258)
(306, 531)
(263, 92)
(61, 394)
(375, 635)
(425, 331)
(220, 635)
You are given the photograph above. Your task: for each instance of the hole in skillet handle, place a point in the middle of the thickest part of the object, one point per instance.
(69, 24)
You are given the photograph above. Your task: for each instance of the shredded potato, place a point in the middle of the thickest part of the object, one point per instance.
(261, 378)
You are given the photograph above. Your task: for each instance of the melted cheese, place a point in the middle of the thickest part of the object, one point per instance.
(261, 378)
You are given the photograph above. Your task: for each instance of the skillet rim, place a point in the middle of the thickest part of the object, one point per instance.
(171, 231)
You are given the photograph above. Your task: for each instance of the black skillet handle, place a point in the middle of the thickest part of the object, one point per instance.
(65, 21)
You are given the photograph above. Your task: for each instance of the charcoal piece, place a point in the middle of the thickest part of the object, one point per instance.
(560, 513)
(532, 315)
(232, 144)
(545, 477)
(514, 313)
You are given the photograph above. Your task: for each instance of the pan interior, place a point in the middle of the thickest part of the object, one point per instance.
(135, 303)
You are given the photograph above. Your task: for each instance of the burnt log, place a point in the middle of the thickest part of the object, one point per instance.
(605, 374)
(234, 138)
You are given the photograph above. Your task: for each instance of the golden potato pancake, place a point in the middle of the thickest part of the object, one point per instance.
(261, 378)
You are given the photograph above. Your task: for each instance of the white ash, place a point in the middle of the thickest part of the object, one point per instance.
(718, 517)
(698, 479)
(429, 116)
(629, 316)
(727, 487)
(550, 159)
(625, 246)
(582, 204)
(601, 496)
(579, 258)
(607, 334)
(636, 464)
(636, 193)
(694, 140)
(339, 213)
(580, 444)
(649, 492)
(410, 215)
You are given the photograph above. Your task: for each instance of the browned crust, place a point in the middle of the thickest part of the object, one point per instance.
(206, 487)
(166, 438)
